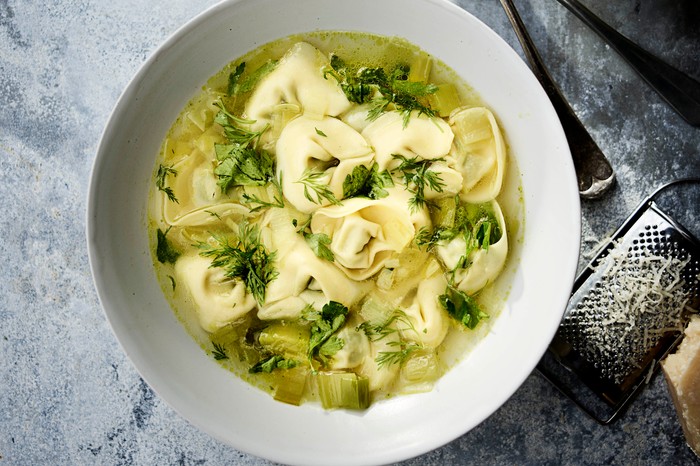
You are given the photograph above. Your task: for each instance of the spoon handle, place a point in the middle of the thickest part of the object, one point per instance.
(593, 171)
(677, 88)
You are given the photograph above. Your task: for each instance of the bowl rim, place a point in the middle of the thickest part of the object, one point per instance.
(98, 263)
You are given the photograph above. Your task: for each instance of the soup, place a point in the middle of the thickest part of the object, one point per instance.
(327, 218)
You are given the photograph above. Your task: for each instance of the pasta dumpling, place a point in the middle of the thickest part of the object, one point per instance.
(312, 153)
(303, 278)
(427, 316)
(424, 137)
(480, 153)
(218, 300)
(484, 264)
(297, 79)
(365, 233)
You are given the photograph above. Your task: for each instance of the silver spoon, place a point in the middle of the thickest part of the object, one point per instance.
(677, 88)
(593, 171)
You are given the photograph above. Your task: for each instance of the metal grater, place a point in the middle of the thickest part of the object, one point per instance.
(627, 312)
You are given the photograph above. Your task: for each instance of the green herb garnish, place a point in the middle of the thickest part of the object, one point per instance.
(462, 307)
(277, 201)
(247, 260)
(314, 183)
(323, 343)
(320, 133)
(374, 86)
(367, 182)
(162, 174)
(403, 352)
(219, 352)
(242, 166)
(417, 176)
(165, 253)
(318, 242)
(233, 79)
(271, 363)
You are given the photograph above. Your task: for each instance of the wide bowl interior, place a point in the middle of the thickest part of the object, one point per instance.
(245, 417)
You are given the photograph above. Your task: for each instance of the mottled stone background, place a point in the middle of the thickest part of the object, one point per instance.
(69, 395)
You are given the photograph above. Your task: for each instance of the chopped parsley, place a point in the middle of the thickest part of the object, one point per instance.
(318, 242)
(165, 253)
(323, 343)
(271, 363)
(367, 182)
(462, 307)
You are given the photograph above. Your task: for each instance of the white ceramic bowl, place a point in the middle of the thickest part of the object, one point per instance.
(230, 409)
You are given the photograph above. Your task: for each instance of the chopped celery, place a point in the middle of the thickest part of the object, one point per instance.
(420, 68)
(421, 366)
(444, 212)
(291, 385)
(343, 390)
(445, 99)
(288, 340)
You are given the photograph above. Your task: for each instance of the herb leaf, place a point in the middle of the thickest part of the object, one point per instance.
(373, 85)
(319, 244)
(320, 133)
(253, 78)
(242, 166)
(367, 182)
(162, 174)
(233, 78)
(165, 253)
(313, 181)
(271, 363)
(248, 260)
(398, 321)
(219, 352)
(388, 358)
(278, 199)
(417, 176)
(323, 343)
(462, 307)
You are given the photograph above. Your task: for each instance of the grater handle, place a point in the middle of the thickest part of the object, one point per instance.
(593, 171)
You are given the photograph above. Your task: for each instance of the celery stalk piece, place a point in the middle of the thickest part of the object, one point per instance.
(290, 341)
(444, 212)
(420, 68)
(343, 390)
(445, 99)
(291, 385)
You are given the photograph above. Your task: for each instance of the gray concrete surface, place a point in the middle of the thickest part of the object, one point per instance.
(69, 395)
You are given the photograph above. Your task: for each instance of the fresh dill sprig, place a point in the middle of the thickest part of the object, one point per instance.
(417, 175)
(277, 200)
(314, 182)
(247, 260)
(398, 321)
(161, 175)
(233, 127)
(403, 352)
(374, 86)
(219, 352)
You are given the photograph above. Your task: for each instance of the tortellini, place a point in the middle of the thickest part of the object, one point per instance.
(318, 153)
(423, 137)
(303, 278)
(485, 264)
(480, 153)
(430, 323)
(218, 300)
(200, 201)
(297, 79)
(365, 233)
